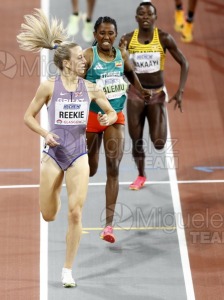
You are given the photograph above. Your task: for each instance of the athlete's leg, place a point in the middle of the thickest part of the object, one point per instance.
(178, 3)
(76, 178)
(114, 148)
(157, 119)
(90, 9)
(187, 32)
(192, 6)
(179, 18)
(75, 6)
(74, 18)
(88, 27)
(94, 141)
(136, 121)
(51, 177)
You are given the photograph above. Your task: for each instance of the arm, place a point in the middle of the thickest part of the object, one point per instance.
(170, 44)
(129, 72)
(128, 67)
(88, 54)
(98, 95)
(41, 97)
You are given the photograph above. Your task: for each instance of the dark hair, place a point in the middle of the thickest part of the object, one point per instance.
(146, 4)
(106, 19)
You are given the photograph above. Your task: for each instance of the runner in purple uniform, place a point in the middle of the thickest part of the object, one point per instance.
(67, 97)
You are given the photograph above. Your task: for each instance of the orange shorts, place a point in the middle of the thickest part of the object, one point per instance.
(93, 124)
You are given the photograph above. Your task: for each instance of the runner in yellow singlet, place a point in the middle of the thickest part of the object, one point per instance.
(147, 46)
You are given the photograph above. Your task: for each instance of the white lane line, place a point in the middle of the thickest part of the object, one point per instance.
(27, 186)
(14, 170)
(44, 57)
(179, 220)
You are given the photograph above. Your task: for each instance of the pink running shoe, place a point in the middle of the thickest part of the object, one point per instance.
(107, 234)
(138, 183)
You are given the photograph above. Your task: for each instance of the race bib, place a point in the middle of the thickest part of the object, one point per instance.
(113, 87)
(146, 62)
(71, 113)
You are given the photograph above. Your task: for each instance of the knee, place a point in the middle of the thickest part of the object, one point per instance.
(48, 217)
(138, 146)
(75, 215)
(49, 213)
(93, 166)
(159, 144)
(92, 171)
(113, 169)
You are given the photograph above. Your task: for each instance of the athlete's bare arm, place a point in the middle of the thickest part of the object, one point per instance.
(98, 95)
(42, 96)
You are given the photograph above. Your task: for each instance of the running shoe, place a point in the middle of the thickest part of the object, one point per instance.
(107, 234)
(73, 25)
(67, 279)
(179, 20)
(87, 32)
(187, 33)
(138, 183)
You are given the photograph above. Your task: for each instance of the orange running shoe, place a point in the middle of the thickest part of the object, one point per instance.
(107, 234)
(138, 183)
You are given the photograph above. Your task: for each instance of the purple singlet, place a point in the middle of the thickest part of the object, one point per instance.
(68, 115)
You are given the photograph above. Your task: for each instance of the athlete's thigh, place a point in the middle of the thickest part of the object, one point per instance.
(136, 118)
(94, 141)
(51, 177)
(77, 179)
(157, 119)
(114, 142)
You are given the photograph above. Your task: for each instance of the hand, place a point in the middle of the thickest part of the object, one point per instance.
(50, 139)
(103, 119)
(178, 98)
(146, 94)
(122, 44)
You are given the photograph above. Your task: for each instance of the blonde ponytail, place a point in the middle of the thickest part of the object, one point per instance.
(37, 32)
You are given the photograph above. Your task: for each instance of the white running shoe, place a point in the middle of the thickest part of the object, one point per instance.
(67, 279)
(73, 25)
(87, 32)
